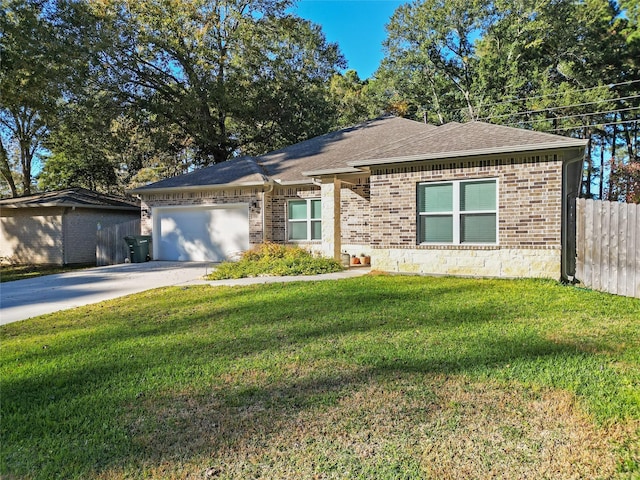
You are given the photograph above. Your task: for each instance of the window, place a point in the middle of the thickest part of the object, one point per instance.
(303, 220)
(458, 212)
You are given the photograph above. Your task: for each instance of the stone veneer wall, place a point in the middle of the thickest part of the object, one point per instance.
(529, 218)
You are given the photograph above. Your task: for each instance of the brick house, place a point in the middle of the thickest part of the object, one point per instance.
(463, 199)
(59, 228)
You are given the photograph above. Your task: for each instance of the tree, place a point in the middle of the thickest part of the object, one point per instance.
(41, 59)
(559, 66)
(430, 56)
(563, 67)
(348, 94)
(236, 76)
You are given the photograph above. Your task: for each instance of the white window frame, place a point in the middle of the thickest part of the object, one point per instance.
(308, 220)
(456, 213)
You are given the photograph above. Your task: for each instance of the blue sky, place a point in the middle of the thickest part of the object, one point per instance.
(358, 26)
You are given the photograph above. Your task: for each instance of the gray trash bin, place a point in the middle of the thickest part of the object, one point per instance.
(139, 247)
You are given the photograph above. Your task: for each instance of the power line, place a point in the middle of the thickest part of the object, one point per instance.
(551, 109)
(579, 115)
(610, 85)
(577, 127)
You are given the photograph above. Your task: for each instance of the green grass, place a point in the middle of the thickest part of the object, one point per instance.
(10, 273)
(274, 259)
(374, 377)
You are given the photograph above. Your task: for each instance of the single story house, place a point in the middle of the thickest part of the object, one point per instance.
(59, 227)
(462, 199)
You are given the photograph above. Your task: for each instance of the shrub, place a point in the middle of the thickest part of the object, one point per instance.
(277, 260)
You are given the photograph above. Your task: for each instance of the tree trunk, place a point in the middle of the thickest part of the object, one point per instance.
(587, 183)
(611, 196)
(5, 170)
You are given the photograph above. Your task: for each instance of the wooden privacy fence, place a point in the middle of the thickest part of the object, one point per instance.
(111, 248)
(608, 246)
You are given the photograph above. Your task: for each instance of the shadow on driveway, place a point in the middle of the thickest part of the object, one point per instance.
(28, 298)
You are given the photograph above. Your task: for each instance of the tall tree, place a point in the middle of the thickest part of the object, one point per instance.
(235, 76)
(41, 59)
(563, 67)
(348, 94)
(430, 56)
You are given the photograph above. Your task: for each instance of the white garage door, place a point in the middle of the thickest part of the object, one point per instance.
(200, 233)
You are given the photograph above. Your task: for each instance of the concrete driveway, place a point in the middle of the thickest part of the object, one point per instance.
(24, 299)
(28, 298)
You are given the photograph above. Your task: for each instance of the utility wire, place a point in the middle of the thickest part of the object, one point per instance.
(579, 115)
(577, 127)
(551, 109)
(610, 85)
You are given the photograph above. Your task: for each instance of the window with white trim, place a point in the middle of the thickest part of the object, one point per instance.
(304, 220)
(458, 212)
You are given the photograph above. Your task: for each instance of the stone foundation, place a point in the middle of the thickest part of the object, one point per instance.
(494, 262)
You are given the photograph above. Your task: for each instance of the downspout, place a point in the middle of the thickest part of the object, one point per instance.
(568, 230)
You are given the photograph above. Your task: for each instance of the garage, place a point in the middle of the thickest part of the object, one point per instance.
(200, 233)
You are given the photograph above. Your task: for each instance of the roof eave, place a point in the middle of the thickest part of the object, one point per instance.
(71, 205)
(286, 183)
(331, 171)
(572, 143)
(192, 188)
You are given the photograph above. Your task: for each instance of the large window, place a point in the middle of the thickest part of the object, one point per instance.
(458, 212)
(303, 220)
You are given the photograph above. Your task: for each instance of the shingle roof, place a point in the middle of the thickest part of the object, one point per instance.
(377, 141)
(335, 149)
(72, 197)
(473, 138)
(241, 170)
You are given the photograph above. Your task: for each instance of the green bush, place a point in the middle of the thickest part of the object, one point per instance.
(278, 260)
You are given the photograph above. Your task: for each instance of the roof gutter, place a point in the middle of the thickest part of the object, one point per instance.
(71, 205)
(331, 171)
(194, 188)
(287, 183)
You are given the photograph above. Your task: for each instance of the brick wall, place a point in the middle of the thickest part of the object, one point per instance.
(251, 196)
(80, 227)
(529, 213)
(278, 206)
(355, 208)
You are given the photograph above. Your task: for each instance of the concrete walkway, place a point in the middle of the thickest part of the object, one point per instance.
(29, 298)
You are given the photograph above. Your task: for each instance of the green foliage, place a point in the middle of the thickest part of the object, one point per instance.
(44, 59)
(115, 87)
(562, 67)
(349, 95)
(234, 76)
(430, 59)
(275, 260)
(269, 379)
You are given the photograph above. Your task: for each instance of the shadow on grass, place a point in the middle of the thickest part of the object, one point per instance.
(139, 391)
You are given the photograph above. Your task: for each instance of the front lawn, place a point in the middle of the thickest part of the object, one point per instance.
(377, 377)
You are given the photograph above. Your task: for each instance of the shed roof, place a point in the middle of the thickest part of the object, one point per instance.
(72, 197)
